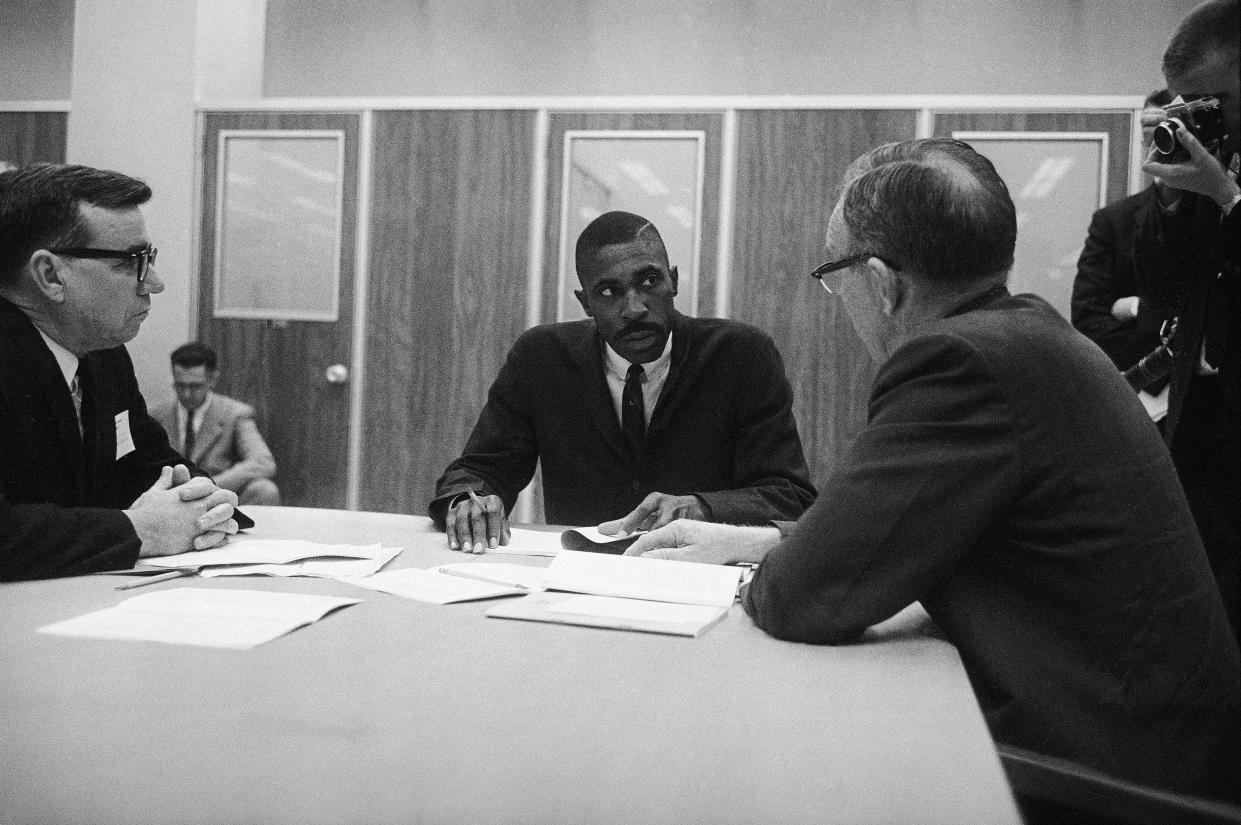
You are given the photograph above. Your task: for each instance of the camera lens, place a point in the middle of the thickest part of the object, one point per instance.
(1165, 137)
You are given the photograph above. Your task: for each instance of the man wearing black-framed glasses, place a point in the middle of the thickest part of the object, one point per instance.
(88, 480)
(1010, 481)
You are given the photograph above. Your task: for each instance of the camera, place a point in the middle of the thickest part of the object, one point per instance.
(1202, 118)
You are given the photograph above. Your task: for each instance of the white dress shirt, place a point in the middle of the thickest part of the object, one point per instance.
(656, 373)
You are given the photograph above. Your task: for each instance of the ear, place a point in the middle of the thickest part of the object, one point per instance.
(47, 272)
(581, 299)
(890, 285)
(672, 276)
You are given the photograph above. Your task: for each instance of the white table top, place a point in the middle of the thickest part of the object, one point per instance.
(399, 711)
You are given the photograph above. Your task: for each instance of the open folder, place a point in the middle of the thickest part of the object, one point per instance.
(628, 593)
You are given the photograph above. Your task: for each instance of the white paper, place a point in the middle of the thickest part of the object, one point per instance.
(432, 586)
(497, 572)
(204, 617)
(247, 550)
(594, 535)
(610, 607)
(315, 568)
(530, 543)
(637, 577)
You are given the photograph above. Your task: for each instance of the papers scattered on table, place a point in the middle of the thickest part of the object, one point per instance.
(198, 616)
(497, 572)
(433, 586)
(590, 540)
(530, 543)
(614, 613)
(269, 557)
(635, 577)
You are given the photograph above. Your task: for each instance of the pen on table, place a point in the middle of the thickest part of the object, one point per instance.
(171, 574)
(480, 578)
(478, 502)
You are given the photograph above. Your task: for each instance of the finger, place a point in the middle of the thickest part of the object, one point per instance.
(495, 515)
(664, 537)
(195, 488)
(478, 527)
(506, 533)
(164, 482)
(209, 539)
(450, 528)
(664, 517)
(640, 514)
(609, 528)
(180, 474)
(220, 514)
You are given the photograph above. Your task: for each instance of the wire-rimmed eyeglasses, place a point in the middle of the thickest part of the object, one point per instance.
(140, 258)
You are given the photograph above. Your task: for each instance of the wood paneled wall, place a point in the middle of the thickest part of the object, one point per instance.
(279, 367)
(449, 252)
(31, 137)
(789, 165)
(1117, 125)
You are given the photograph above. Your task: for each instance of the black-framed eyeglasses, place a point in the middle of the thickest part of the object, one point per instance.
(141, 258)
(835, 266)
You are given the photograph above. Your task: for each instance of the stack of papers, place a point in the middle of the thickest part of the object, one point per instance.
(629, 593)
(198, 616)
(270, 557)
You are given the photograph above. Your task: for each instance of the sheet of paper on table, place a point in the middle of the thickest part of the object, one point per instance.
(530, 543)
(330, 568)
(433, 586)
(635, 577)
(247, 550)
(611, 612)
(204, 617)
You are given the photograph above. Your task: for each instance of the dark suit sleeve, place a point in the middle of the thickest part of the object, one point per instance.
(39, 541)
(1104, 274)
(880, 536)
(771, 480)
(500, 455)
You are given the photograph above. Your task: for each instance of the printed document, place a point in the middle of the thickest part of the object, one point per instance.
(433, 586)
(198, 616)
(635, 577)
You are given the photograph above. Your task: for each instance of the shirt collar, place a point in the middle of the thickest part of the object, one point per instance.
(66, 360)
(619, 365)
(198, 413)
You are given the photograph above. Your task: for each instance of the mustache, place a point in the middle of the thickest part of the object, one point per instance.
(639, 327)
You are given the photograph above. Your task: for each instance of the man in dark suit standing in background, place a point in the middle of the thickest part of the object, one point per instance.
(88, 481)
(1112, 304)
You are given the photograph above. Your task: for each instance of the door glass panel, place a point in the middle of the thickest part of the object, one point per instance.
(1056, 180)
(278, 232)
(655, 174)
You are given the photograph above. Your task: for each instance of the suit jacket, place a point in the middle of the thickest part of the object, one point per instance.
(722, 428)
(1010, 480)
(227, 446)
(61, 494)
(1109, 268)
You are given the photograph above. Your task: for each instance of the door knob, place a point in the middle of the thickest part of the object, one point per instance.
(336, 374)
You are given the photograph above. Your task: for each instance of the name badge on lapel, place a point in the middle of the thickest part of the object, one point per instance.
(124, 438)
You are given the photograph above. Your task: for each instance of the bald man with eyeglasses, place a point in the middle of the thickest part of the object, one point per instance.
(88, 480)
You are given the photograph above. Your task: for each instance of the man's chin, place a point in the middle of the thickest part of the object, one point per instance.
(641, 349)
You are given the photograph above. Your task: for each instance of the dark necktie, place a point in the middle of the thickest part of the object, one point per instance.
(633, 409)
(75, 391)
(189, 435)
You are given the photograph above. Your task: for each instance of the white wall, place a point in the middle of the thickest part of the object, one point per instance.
(722, 47)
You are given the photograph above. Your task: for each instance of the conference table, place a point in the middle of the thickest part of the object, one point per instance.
(394, 710)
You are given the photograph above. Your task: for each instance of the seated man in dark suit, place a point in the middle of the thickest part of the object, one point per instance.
(214, 431)
(637, 412)
(1009, 480)
(88, 481)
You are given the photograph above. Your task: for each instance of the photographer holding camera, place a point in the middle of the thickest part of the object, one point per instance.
(1192, 252)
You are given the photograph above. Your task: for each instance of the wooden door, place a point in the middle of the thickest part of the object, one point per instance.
(287, 349)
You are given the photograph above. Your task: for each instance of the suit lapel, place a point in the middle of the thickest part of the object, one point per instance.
(209, 432)
(679, 379)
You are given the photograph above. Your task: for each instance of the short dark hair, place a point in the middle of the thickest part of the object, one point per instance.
(613, 228)
(1159, 97)
(1208, 28)
(39, 208)
(194, 354)
(935, 207)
